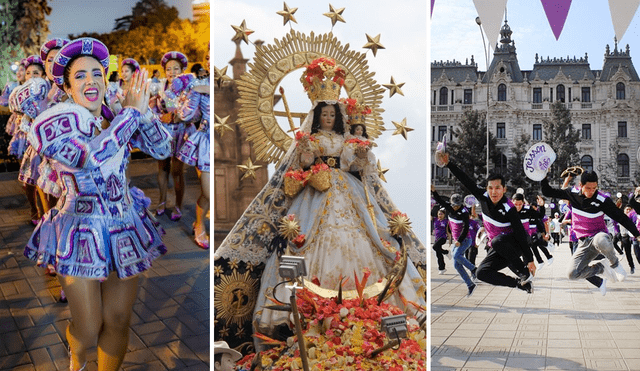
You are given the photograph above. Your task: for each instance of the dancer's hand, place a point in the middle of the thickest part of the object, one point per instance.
(532, 268)
(137, 95)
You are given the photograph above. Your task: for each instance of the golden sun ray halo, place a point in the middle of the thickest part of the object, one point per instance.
(273, 62)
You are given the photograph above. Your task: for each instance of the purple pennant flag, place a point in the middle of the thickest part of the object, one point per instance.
(432, 2)
(556, 11)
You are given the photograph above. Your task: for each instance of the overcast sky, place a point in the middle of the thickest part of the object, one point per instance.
(403, 29)
(588, 29)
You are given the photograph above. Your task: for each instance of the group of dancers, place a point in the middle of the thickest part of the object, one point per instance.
(73, 133)
(517, 231)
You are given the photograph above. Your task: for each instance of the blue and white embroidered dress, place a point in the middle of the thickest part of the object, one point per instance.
(99, 225)
(195, 150)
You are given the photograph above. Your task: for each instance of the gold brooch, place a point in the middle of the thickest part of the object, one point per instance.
(331, 162)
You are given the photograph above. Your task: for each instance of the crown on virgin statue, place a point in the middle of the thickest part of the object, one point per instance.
(322, 80)
(356, 111)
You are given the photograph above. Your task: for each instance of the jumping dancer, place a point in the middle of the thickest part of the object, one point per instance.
(507, 239)
(589, 206)
(459, 225)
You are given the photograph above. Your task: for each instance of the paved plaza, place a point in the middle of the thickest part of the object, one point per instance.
(170, 323)
(563, 325)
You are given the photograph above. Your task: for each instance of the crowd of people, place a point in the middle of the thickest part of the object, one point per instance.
(600, 230)
(73, 131)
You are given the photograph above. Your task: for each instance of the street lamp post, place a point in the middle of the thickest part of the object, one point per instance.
(486, 57)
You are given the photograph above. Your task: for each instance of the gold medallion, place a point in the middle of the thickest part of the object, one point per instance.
(235, 298)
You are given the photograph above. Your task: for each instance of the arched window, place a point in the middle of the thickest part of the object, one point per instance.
(500, 164)
(587, 163)
(623, 165)
(502, 92)
(560, 93)
(620, 90)
(444, 94)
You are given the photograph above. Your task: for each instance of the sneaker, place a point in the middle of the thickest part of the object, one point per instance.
(609, 273)
(448, 254)
(472, 288)
(551, 247)
(633, 270)
(540, 266)
(473, 274)
(528, 287)
(603, 287)
(621, 274)
(526, 279)
(550, 261)
(441, 272)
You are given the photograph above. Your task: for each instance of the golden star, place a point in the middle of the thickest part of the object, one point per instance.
(335, 15)
(373, 44)
(381, 172)
(221, 125)
(220, 75)
(287, 14)
(393, 87)
(242, 33)
(249, 169)
(224, 332)
(402, 128)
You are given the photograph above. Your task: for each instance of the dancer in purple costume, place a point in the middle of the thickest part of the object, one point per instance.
(14, 119)
(589, 206)
(196, 148)
(174, 64)
(441, 233)
(100, 235)
(507, 238)
(459, 226)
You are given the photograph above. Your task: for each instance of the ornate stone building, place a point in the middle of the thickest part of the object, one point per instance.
(231, 194)
(603, 104)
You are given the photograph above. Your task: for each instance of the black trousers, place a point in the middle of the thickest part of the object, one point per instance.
(539, 244)
(440, 252)
(471, 254)
(502, 254)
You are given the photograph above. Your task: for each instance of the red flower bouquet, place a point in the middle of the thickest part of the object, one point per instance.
(320, 178)
(322, 68)
(295, 181)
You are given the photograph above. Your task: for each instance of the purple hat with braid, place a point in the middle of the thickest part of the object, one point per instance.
(32, 59)
(85, 46)
(56, 43)
(181, 58)
(131, 62)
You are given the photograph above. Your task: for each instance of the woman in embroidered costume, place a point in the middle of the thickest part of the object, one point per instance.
(28, 175)
(342, 229)
(195, 151)
(17, 149)
(100, 236)
(8, 88)
(47, 180)
(174, 64)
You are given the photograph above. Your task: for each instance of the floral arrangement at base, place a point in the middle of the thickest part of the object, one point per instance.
(342, 335)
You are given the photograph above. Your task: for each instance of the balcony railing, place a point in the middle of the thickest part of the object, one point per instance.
(585, 105)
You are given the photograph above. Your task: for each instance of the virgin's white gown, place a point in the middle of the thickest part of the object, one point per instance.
(340, 236)
(340, 239)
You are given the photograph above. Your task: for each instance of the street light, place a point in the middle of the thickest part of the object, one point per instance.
(292, 268)
(486, 56)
